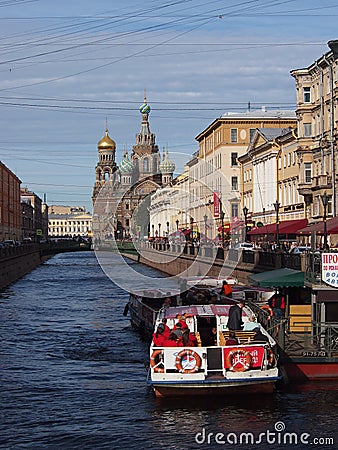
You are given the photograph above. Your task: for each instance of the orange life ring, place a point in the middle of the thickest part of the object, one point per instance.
(238, 365)
(184, 353)
(271, 358)
(268, 309)
(155, 365)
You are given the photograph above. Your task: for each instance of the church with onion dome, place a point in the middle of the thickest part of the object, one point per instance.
(128, 185)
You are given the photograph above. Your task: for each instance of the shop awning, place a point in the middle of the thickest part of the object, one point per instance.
(278, 278)
(318, 228)
(285, 227)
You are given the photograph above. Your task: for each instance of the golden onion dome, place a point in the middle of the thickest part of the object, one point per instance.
(106, 143)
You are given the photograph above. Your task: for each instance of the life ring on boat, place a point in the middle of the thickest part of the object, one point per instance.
(271, 358)
(234, 360)
(154, 364)
(268, 309)
(184, 354)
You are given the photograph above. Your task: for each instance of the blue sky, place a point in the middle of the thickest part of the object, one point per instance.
(67, 66)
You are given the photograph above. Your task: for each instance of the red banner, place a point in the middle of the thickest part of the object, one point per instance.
(256, 353)
(216, 204)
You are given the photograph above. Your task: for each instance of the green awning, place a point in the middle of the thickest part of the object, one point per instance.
(278, 278)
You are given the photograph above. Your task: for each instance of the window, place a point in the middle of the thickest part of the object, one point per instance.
(234, 183)
(234, 161)
(234, 210)
(234, 135)
(307, 172)
(252, 133)
(307, 130)
(146, 165)
(307, 95)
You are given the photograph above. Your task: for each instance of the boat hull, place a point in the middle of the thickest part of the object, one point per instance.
(211, 388)
(314, 369)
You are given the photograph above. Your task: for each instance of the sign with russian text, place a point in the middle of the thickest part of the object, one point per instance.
(237, 356)
(216, 204)
(330, 269)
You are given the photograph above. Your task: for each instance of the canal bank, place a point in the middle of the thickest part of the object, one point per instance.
(15, 262)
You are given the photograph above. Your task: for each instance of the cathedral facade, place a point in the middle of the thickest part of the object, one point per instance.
(122, 191)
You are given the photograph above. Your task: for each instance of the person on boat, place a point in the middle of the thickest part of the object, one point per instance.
(159, 337)
(182, 321)
(235, 317)
(259, 336)
(177, 330)
(167, 330)
(278, 305)
(188, 339)
(226, 289)
(251, 324)
(232, 340)
(172, 341)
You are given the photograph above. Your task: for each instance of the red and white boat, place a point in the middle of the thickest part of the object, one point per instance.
(247, 367)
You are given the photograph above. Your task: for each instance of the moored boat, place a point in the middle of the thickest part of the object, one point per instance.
(212, 366)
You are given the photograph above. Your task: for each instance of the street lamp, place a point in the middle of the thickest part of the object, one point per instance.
(205, 217)
(159, 231)
(276, 205)
(245, 212)
(191, 225)
(168, 228)
(177, 222)
(222, 224)
(325, 201)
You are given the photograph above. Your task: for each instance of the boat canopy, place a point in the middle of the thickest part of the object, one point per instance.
(197, 310)
(278, 278)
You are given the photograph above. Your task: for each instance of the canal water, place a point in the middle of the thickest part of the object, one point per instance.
(72, 376)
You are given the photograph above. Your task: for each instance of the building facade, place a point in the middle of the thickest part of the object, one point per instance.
(39, 211)
(10, 209)
(73, 224)
(215, 170)
(317, 93)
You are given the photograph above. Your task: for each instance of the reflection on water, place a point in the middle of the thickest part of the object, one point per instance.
(73, 376)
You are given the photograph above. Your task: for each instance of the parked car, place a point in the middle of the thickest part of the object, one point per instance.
(9, 243)
(244, 246)
(300, 249)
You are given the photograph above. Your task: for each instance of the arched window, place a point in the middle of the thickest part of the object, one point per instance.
(106, 175)
(146, 165)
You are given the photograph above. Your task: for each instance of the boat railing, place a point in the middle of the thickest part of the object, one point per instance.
(209, 360)
(315, 336)
(317, 339)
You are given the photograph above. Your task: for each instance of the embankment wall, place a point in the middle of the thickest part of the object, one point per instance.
(16, 262)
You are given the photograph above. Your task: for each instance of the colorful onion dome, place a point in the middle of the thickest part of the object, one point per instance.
(106, 143)
(126, 165)
(167, 166)
(144, 108)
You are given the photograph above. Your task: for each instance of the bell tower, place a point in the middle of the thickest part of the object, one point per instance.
(106, 167)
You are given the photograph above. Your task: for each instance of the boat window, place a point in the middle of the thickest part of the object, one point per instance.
(204, 327)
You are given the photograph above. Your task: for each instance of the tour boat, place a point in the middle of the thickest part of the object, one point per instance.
(144, 304)
(212, 367)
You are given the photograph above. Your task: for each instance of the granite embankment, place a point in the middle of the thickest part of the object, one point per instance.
(15, 262)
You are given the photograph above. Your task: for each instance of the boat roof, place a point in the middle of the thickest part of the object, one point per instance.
(198, 310)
